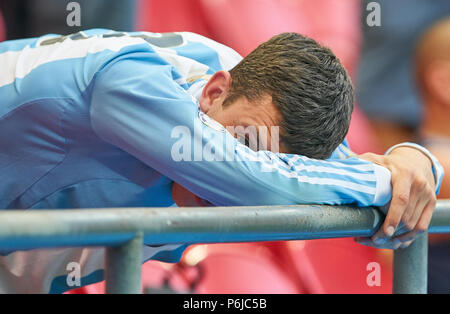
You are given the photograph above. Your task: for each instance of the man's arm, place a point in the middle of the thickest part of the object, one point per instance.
(414, 194)
(138, 107)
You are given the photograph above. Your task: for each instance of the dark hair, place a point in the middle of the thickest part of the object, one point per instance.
(308, 85)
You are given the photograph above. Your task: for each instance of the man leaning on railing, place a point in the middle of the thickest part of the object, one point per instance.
(111, 119)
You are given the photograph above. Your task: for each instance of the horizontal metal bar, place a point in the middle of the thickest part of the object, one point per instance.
(440, 223)
(31, 229)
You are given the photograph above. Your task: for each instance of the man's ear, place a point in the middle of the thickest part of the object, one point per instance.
(439, 82)
(215, 90)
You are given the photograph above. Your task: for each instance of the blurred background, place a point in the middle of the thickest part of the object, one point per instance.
(397, 53)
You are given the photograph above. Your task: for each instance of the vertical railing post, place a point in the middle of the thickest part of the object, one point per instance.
(411, 267)
(123, 267)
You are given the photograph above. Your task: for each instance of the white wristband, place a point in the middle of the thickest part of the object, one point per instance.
(437, 169)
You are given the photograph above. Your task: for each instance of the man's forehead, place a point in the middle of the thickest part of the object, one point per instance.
(260, 110)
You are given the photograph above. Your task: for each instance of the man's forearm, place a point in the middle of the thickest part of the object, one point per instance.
(159, 118)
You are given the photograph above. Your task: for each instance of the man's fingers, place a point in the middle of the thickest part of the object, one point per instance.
(406, 237)
(406, 244)
(424, 206)
(420, 226)
(417, 200)
(392, 244)
(380, 237)
(412, 222)
(425, 219)
(400, 200)
(413, 197)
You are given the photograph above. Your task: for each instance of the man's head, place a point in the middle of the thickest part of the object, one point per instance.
(433, 68)
(289, 81)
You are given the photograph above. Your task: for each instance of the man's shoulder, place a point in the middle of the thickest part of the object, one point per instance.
(190, 55)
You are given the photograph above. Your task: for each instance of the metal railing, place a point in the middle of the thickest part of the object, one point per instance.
(123, 231)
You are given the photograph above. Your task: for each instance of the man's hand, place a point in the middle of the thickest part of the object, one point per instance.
(413, 197)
